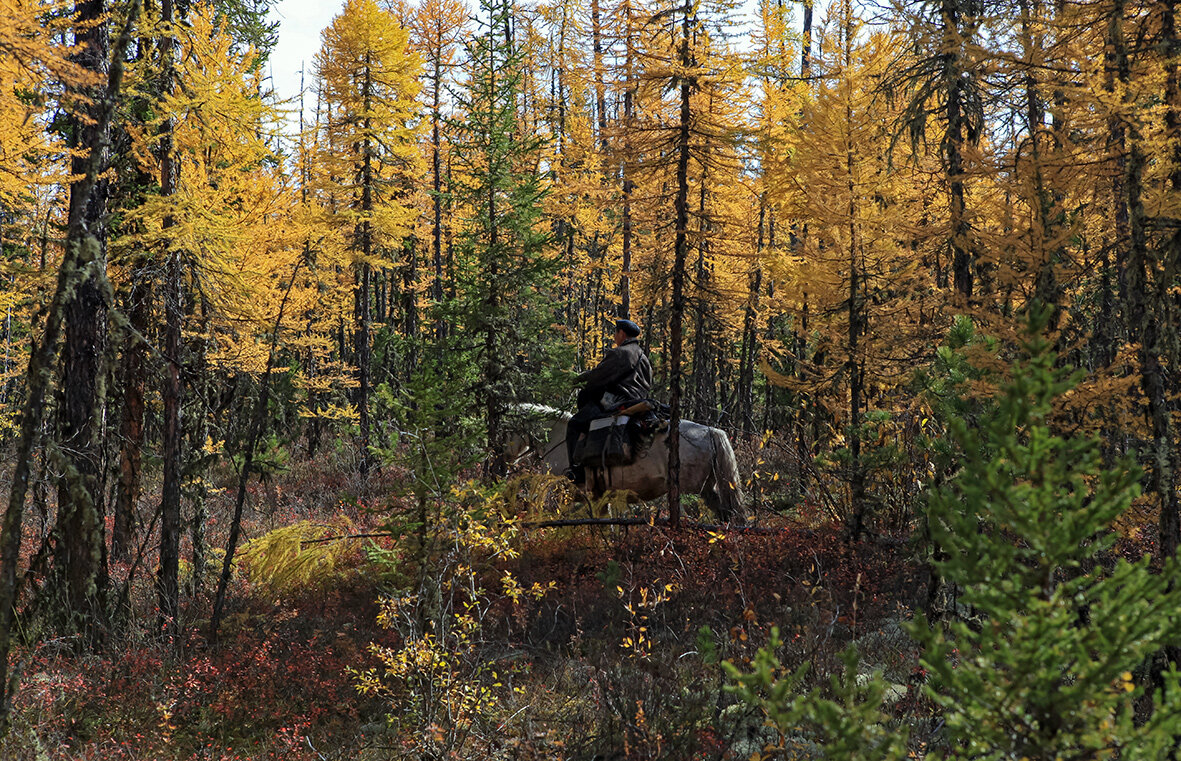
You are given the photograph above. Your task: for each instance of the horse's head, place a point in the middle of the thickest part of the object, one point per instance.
(533, 429)
(518, 445)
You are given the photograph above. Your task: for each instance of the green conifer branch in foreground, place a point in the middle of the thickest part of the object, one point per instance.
(1049, 654)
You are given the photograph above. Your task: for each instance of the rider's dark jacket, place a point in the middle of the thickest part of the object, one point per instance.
(625, 371)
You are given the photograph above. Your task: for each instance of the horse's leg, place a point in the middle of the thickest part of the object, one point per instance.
(595, 489)
(713, 499)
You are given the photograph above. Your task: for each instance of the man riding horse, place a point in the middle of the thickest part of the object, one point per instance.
(622, 377)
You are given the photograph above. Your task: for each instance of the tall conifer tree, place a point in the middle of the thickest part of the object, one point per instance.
(437, 27)
(504, 271)
(367, 75)
(946, 88)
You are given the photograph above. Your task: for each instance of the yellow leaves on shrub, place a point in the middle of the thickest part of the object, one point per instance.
(514, 591)
(536, 494)
(300, 556)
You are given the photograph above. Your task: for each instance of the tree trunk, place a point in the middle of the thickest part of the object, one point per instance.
(961, 256)
(131, 427)
(364, 241)
(379, 304)
(257, 427)
(361, 352)
(1142, 310)
(856, 315)
(600, 86)
(198, 435)
(79, 553)
(80, 248)
(410, 306)
(701, 405)
(749, 350)
(629, 186)
(1044, 257)
(1165, 385)
(437, 197)
(806, 42)
(680, 254)
(170, 524)
(170, 528)
(1116, 64)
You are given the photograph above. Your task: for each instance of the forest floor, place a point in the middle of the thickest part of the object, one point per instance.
(614, 655)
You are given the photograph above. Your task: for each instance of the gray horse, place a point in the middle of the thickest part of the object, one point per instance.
(708, 466)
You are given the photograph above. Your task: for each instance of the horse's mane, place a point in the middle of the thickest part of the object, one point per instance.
(541, 410)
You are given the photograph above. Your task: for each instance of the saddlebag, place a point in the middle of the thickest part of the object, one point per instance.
(606, 444)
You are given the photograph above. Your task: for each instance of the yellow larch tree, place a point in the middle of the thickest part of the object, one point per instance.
(685, 73)
(221, 232)
(780, 95)
(368, 160)
(856, 270)
(725, 221)
(35, 74)
(231, 210)
(437, 29)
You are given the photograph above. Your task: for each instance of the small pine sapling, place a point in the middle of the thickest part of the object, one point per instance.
(844, 722)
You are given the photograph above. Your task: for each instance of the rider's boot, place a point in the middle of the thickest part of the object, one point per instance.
(576, 474)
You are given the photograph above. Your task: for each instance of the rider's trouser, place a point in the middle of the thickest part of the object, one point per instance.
(578, 425)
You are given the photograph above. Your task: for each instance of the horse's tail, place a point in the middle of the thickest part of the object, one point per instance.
(726, 478)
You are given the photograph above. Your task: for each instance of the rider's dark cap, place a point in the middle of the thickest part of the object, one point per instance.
(629, 328)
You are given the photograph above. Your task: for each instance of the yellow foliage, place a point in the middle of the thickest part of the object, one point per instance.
(331, 412)
(233, 219)
(299, 556)
(437, 679)
(368, 75)
(33, 69)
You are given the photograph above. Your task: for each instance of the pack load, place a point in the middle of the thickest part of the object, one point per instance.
(606, 444)
(622, 438)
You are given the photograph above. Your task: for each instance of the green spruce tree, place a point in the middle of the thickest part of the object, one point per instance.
(844, 720)
(1050, 657)
(504, 273)
(1044, 666)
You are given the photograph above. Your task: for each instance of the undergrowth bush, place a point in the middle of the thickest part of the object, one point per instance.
(304, 554)
(444, 683)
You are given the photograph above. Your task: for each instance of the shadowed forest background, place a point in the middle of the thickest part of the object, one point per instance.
(262, 362)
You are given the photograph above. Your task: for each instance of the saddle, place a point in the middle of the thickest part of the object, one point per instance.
(623, 437)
